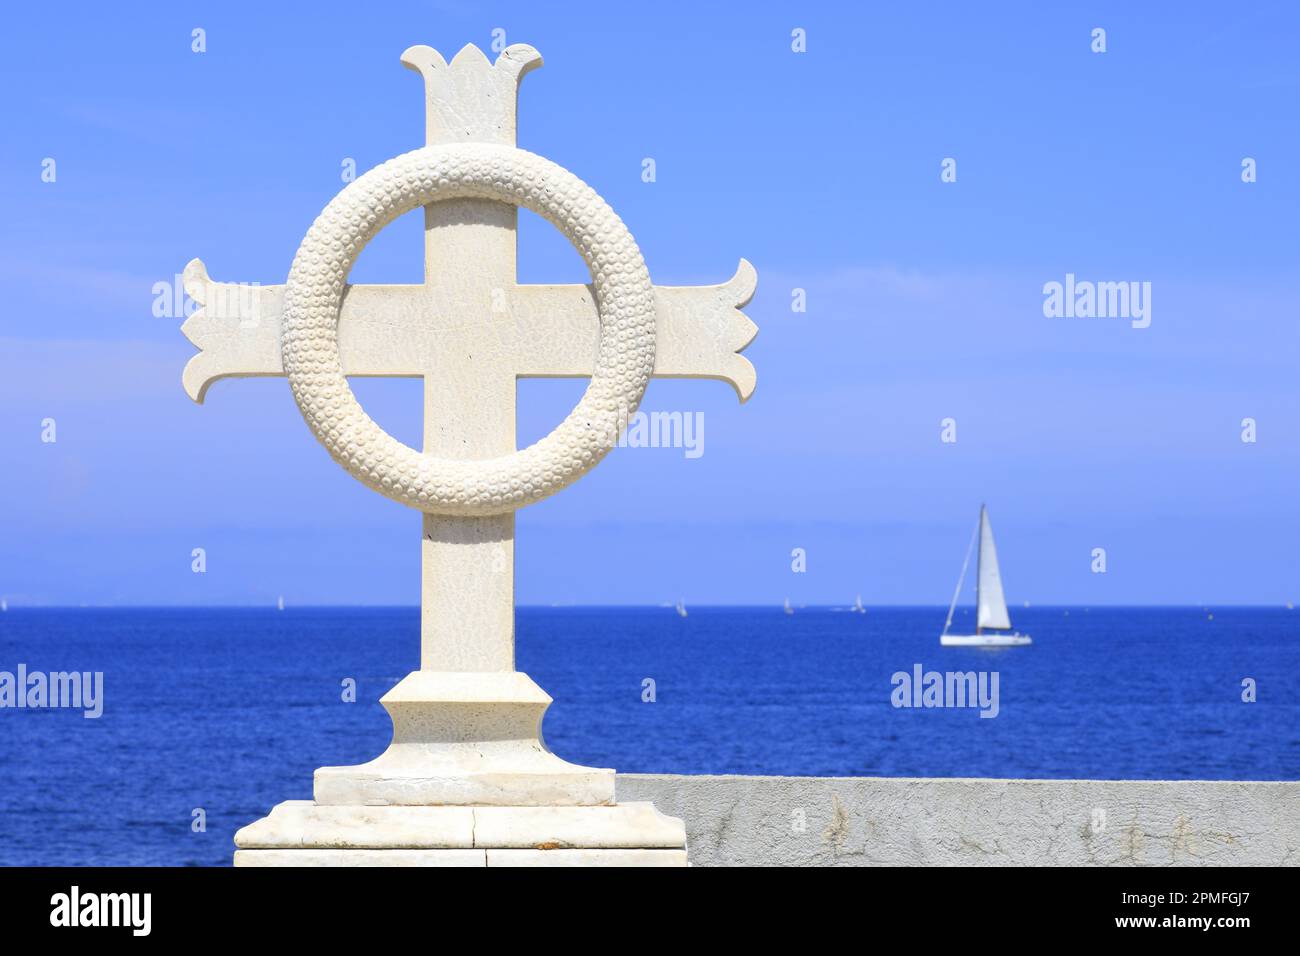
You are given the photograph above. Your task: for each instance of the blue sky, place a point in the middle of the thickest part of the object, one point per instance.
(822, 168)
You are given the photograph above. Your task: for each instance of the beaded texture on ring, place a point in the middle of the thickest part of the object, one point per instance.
(313, 296)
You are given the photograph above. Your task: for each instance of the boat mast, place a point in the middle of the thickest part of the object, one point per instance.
(978, 563)
(961, 579)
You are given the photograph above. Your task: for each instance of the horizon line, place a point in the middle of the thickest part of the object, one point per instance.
(660, 606)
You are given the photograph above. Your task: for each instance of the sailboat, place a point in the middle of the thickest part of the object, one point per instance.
(788, 608)
(280, 603)
(681, 608)
(857, 606)
(990, 602)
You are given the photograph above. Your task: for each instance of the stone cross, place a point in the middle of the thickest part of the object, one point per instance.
(467, 779)
(470, 331)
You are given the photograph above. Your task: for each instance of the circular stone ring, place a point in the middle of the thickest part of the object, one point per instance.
(313, 295)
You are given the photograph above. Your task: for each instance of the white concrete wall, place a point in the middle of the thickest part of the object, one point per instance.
(863, 821)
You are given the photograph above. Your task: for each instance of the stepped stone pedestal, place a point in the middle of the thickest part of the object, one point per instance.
(467, 781)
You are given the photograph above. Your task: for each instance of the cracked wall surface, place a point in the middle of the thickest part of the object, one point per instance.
(882, 821)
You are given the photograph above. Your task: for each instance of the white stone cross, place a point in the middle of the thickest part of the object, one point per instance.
(467, 777)
(470, 331)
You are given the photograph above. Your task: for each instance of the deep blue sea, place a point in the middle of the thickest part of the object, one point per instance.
(231, 710)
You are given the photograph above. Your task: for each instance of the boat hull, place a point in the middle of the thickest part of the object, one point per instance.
(985, 640)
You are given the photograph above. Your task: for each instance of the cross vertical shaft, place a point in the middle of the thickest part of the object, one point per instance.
(467, 565)
(467, 612)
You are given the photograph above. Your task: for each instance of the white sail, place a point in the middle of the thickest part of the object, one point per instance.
(992, 602)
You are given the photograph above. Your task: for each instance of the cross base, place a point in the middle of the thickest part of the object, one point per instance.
(300, 833)
(465, 739)
(467, 781)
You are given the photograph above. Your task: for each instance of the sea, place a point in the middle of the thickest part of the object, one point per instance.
(211, 716)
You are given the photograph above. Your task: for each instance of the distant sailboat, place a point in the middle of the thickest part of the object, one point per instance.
(857, 606)
(681, 608)
(4, 604)
(788, 608)
(990, 601)
(280, 603)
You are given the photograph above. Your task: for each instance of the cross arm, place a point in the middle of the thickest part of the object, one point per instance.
(237, 330)
(701, 330)
(387, 330)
